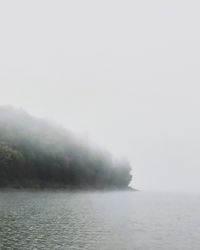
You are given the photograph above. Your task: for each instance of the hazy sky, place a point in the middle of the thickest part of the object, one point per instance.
(124, 73)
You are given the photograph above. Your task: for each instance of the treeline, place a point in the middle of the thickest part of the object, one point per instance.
(35, 153)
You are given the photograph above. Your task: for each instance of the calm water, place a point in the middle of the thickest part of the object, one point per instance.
(99, 221)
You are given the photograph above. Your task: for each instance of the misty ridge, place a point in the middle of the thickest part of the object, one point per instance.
(37, 154)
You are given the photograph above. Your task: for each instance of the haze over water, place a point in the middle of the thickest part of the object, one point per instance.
(99, 220)
(123, 75)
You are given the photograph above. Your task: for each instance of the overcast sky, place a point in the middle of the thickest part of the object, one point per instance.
(124, 73)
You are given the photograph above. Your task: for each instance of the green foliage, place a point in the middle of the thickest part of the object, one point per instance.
(11, 163)
(35, 153)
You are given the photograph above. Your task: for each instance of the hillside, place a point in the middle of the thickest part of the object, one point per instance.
(37, 154)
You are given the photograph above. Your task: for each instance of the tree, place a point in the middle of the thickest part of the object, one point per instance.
(11, 164)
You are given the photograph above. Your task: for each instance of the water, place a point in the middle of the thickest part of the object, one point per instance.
(99, 221)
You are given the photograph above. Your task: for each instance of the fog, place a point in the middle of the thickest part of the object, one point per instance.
(122, 74)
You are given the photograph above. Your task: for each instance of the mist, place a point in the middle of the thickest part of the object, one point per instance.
(125, 76)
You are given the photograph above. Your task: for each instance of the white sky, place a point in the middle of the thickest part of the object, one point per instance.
(126, 73)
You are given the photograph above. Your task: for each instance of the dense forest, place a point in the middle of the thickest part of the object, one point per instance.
(37, 154)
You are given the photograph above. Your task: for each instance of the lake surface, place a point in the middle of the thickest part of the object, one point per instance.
(99, 221)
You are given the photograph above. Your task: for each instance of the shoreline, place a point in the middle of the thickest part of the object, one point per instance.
(65, 189)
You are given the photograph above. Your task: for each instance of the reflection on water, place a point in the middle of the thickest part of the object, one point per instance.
(102, 221)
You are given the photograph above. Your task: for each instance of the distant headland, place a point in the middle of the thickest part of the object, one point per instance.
(37, 154)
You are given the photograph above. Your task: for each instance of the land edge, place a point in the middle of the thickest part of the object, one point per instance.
(67, 189)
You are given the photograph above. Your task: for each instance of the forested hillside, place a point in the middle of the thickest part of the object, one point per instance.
(37, 154)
